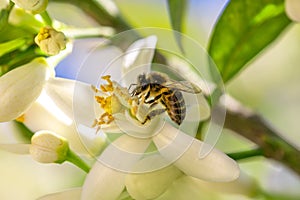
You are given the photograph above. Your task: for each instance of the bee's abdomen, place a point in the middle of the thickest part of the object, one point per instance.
(175, 105)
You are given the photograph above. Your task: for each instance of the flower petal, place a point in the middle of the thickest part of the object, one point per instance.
(151, 184)
(196, 111)
(73, 194)
(20, 87)
(185, 188)
(132, 127)
(124, 152)
(78, 104)
(103, 183)
(37, 6)
(292, 8)
(138, 58)
(184, 151)
(60, 90)
(16, 148)
(53, 111)
(244, 185)
(106, 180)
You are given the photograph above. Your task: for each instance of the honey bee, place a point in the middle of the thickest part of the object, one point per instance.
(156, 89)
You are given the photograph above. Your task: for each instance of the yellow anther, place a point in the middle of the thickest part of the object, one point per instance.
(106, 77)
(20, 118)
(103, 88)
(105, 118)
(43, 34)
(108, 87)
(100, 100)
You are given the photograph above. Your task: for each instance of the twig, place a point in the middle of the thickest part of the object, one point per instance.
(271, 143)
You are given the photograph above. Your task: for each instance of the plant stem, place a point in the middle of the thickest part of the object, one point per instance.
(96, 11)
(246, 154)
(47, 19)
(26, 132)
(271, 143)
(76, 160)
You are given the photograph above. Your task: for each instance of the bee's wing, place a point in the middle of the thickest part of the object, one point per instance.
(184, 86)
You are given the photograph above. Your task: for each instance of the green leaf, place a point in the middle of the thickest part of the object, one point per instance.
(11, 45)
(244, 29)
(177, 9)
(19, 57)
(10, 32)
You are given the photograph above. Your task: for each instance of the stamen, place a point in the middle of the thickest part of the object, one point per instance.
(105, 102)
(108, 87)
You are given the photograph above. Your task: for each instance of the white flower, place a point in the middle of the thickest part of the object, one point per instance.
(50, 40)
(176, 151)
(292, 8)
(20, 87)
(36, 6)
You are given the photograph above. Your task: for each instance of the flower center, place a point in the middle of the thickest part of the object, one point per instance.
(126, 110)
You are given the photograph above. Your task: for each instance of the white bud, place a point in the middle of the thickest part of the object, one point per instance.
(20, 87)
(48, 147)
(36, 6)
(152, 184)
(50, 41)
(3, 4)
(292, 8)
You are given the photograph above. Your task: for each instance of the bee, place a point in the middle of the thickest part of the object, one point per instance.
(156, 89)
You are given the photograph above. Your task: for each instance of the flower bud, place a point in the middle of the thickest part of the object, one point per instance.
(48, 147)
(50, 41)
(36, 6)
(20, 87)
(151, 184)
(3, 4)
(292, 8)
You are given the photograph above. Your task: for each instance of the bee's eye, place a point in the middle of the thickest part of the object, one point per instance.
(141, 79)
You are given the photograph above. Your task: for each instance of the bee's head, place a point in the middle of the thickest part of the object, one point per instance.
(142, 80)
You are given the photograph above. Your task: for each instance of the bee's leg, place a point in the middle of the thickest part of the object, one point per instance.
(153, 113)
(155, 99)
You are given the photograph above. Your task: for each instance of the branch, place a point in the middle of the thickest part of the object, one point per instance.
(96, 11)
(272, 145)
